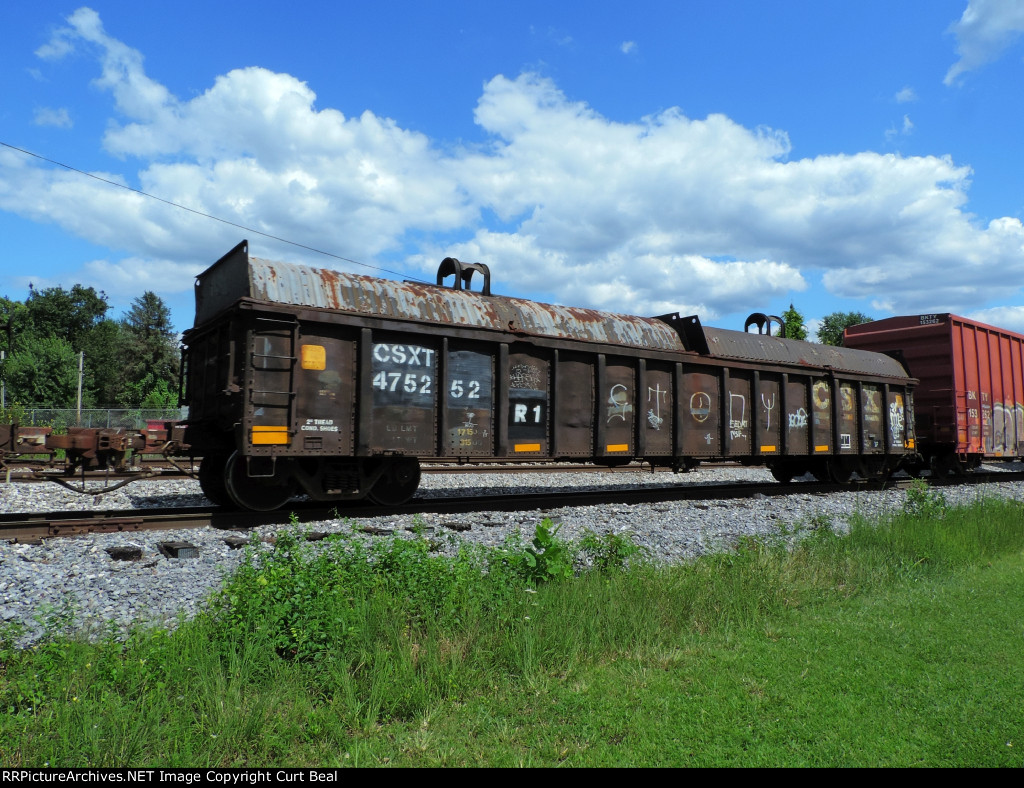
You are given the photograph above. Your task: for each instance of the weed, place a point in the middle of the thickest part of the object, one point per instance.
(924, 501)
(610, 552)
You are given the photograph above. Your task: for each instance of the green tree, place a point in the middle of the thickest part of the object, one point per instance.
(151, 352)
(67, 314)
(794, 324)
(43, 371)
(105, 374)
(830, 332)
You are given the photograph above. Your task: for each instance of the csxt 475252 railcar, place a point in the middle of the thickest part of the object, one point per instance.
(307, 380)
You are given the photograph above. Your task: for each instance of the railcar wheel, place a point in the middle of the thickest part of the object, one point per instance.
(398, 483)
(260, 494)
(783, 473)
(211, 479)
(820, 471)
(841, 471)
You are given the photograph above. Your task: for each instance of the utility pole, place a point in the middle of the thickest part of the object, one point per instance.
(81, 366)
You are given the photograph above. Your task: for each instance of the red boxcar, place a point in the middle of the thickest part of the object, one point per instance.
(969, 405)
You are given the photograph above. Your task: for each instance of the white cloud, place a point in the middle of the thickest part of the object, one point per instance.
(906, 95)
(46, 116)
(665, 213)
(627, 47)
(1009, 317)
(983, 33)
(905, 130)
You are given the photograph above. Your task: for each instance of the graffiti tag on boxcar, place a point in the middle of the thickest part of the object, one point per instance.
(618, 402)
(654, 418)
(798, 419)
(524, 376)
(821, 395)
(769, 406)
(737, 426)
(700, 406)
(897, 420)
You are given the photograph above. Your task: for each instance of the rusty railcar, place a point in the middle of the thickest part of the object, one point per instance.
(969, 403)
(301, 379)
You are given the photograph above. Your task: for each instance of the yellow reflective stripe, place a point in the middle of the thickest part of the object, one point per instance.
(767, 448)
(527, 447)
(821, 448)
(263, 435)
(617, 447)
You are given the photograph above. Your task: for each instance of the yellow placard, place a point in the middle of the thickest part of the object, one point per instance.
(313, 357)
(527, 447)
(617, 447)
(264, 436)
(821, 448)
(767, 448)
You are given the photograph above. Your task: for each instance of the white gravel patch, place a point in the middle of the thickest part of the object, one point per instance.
(77, 576)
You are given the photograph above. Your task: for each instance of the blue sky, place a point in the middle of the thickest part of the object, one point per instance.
(716, 158)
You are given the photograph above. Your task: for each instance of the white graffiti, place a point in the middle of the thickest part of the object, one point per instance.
(700, 406)
(769, 406)
(618, 399)
(524, 376)
(654, 414)
(737, 426)
(798, 420)
(897, 421)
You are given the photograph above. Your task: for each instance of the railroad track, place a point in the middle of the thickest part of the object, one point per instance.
(25, 527)
(153, 470)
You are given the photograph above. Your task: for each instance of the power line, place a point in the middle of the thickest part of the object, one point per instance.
(206, 215)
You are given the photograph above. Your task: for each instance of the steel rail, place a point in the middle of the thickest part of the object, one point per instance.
(57, 524)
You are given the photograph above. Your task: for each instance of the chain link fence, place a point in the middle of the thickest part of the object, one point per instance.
(108, 418)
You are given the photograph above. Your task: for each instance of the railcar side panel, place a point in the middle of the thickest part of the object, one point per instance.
(737, 407)
(700, 412)
(469, 395)
(529, 395)
(873, 428)
(797, 426)
(404, 383)
(574, 405)
(325, 391)
(768, 413)
(657, 399)
(822, 437)
(617, 392)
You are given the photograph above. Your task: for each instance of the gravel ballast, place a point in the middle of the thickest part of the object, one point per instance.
(105, 593)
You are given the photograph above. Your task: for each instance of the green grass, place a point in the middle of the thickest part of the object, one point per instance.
(899, 644)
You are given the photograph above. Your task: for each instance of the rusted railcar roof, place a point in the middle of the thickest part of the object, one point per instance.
(762, 348)
(236, 275)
